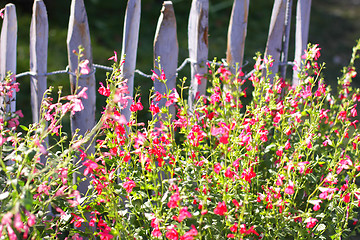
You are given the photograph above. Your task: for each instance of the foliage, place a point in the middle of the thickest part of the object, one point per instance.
(284, 166)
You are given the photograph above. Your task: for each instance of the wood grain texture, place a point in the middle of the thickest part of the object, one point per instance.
(237, 33)
(39, 33)
(286, 40)
(166, 47)
(303, 10)
(79, 34)
(8, 41)
(129, 47)
(277, 29)
(198, 46)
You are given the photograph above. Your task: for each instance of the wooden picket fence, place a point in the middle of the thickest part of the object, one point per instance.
(165, 46)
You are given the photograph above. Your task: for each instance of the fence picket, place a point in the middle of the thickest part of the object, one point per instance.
(301, 34)
(8, 47)
(274, 45)
(39, 31)
(129, 47)
(237, 33)
(198, 46)
(286, 40)
(166, 47)
(78, 34)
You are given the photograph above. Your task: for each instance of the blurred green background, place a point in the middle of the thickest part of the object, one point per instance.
(334, 25)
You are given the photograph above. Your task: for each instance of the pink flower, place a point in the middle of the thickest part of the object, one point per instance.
(31, 220)
(136, 106)
(129, 185)
(90, 166)
(77, 220)
(221, 209)
(156, 232)
(11, 233)
(311, 222)
(105, 91)
(189, 235)
(171, 233)
(174, 199)
(7, 219)
(184, 213)
(234, 227)
(156, 76)
(217, 168)
(279, 181)
(290, 188)
(84, 68)
(2, 13)
(316, 204)
(18, 224)
(346, 198)
(236, 203)
(248, 174)
(43, 188)
(113, 57)
(308, 142)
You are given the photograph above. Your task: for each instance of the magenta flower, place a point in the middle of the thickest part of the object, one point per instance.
(171, 233)
(311, 222)
(129, 185)
(115, 58)
(290, 188)
(221, 209)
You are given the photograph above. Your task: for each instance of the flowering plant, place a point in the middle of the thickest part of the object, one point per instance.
(284, 166)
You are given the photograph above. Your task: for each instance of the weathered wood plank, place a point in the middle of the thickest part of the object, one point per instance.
(276, 33)
(129, 47)
(166, 47)
(237, 33)
(8, 47)
(303, 9)
(79, 34)
(39, 31)
(284, 55)
(198, 46)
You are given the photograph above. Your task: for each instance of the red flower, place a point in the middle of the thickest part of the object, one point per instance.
(248, 174)
(234, 227)
(220, 209)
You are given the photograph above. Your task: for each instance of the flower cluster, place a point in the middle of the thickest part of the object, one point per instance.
(284, 163)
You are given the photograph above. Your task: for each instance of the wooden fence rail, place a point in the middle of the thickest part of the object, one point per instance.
(165, 46)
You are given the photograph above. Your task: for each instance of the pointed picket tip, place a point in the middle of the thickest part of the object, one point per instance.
(167, 49)
(166, 44)
(39, 33)
(8, 46)
(129, 47)
(274, 45)
(198, 47)
(79, 34)
(237, 33)
(303, 10)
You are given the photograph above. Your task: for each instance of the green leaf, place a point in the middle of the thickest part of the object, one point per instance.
(4, 195)
(24, 128)
(321, 227)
